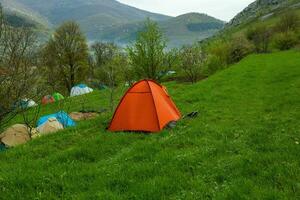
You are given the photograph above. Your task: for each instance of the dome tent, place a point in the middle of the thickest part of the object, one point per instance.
(47, 99)
(15, 135)
(80, 90)
(146, 107)
(61, 116)
(52, 125)
(57, 96)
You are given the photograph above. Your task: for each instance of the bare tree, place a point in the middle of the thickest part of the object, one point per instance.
(192, 62)
(17, 67)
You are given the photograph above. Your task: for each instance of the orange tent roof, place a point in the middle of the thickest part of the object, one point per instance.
(146, 106)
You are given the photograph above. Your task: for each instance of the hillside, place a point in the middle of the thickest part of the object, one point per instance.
(109, 20)
(243, 145)
(263, 10)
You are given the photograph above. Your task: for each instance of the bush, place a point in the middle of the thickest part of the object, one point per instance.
(192, 63)
(220, 52)
(240, 47)
(288, 22)
(213, 65)
(285, 41)
(260, 36)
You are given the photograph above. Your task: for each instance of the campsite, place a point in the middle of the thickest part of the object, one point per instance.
(153, 118)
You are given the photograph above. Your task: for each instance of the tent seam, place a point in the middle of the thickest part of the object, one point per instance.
(151, 92)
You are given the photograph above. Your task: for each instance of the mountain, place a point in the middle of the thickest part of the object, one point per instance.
(181, 30)
(261, 10)
(112, 21)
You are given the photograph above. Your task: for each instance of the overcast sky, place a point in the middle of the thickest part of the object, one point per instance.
(222, 9)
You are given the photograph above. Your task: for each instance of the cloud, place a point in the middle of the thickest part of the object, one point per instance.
(222, 9)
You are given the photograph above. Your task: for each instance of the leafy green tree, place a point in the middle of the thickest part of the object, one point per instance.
(66, 56)
(103, 53)
(147, 54)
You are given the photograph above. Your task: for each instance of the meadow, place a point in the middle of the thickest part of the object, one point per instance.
(243, 145)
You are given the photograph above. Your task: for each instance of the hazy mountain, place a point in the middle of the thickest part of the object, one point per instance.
(181, 30)
(111, 20)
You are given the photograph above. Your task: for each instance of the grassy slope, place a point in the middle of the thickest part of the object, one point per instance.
(242, 146)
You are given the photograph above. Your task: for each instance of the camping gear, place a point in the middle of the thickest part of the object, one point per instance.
(57, 96)
(47, 99)
(146, 107)
(2, 147)
(15, 135)
(192, 115)
(80, 90)
(52, 125)
(25, 103)
(61, 116)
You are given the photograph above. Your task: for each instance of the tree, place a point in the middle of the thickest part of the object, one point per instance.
(260, 36)
(192, 62)
(171, 60)
(66, 55)
(288, 22)
(239, 48)
(103, 53)
(112, 70)
(18, 71)
(147, 54)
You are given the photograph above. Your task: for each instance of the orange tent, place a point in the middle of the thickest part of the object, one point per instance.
(48, 99)
(146, 106)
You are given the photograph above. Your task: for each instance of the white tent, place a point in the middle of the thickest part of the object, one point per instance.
(80, 90)
(30, 103)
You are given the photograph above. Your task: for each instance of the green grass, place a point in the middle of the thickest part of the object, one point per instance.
(242, 145)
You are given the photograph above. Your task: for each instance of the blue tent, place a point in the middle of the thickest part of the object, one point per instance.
(81, 85)
(61, 116)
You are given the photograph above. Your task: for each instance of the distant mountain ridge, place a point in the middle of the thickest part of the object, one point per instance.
(112, 21)
(262, 9)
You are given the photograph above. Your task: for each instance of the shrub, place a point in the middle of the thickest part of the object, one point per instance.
(219, 52)
(213, 65)
(260, 36)
(240, 47)
(288, 22)
(285, 41)
(192, 62)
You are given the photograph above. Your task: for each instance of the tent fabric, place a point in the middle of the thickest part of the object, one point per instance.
(147, 107)
(80, 90)
(52, 125)
(15, 135)
(25, 103)
(57, 96)
(61, 116)
(2, 147)
(47, 99)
